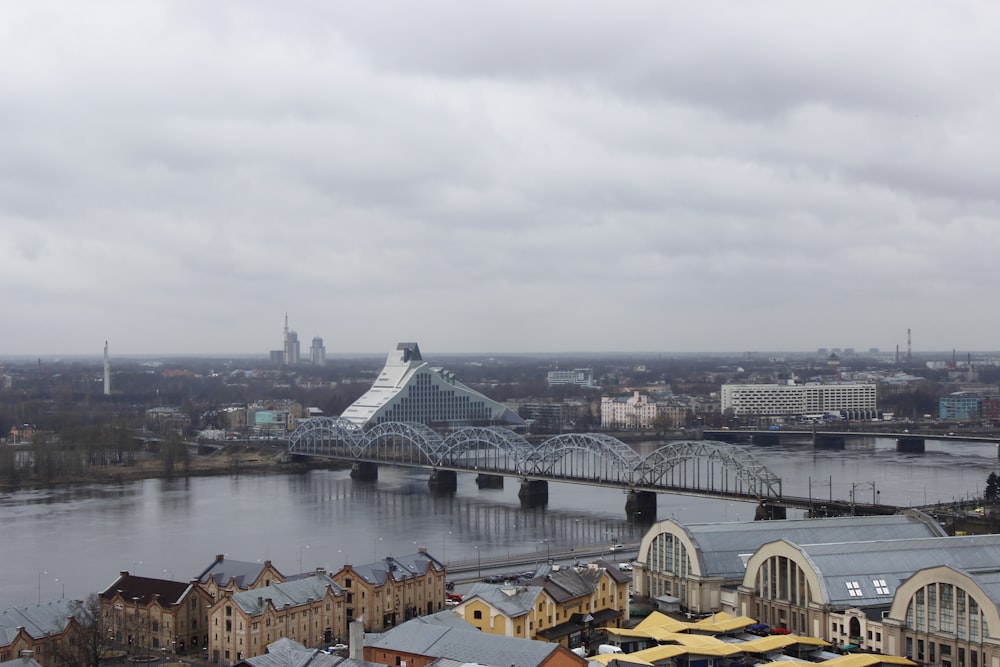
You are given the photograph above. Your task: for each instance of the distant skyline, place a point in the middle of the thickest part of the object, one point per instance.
(509, 177)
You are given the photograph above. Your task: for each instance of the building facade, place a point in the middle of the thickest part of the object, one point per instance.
(959, 405)
(583, 377)
(393, 590)
(308, 609)
(146, 616)
(561, 605)
(852, 401)
(932, 600)
(701, 565)
(410, 390)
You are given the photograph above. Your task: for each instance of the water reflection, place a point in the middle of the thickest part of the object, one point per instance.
(85, 534)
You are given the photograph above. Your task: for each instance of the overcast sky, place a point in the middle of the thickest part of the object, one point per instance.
(498, 176)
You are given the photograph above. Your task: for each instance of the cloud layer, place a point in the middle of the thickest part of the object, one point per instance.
(501, 177)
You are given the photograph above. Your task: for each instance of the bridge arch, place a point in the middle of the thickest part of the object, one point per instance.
(333, 437)
(402, 443)
(490, 448)
(585, 455)
(708, 465)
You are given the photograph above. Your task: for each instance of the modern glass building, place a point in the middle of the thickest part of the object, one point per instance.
(410, 390)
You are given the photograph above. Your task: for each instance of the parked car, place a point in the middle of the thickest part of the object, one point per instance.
(336, 648)
(625, 567)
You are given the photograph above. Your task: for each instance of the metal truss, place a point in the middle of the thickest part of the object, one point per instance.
(595, 456)
(492, 448)
(708, 466)
(695, 466)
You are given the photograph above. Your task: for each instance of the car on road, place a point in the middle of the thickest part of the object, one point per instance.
(336, 648)
(625, 567)
(617, 547)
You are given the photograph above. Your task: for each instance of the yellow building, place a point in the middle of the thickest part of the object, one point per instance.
(393, 590)
(307, 609)
(562, 605)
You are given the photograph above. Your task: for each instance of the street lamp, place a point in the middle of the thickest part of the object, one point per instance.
(40, 586)
(301, 547)
(170, 572)
(135, 567)
(479, 563)
(63, 587)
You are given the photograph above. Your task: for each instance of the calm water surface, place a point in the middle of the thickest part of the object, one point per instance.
(75, 540)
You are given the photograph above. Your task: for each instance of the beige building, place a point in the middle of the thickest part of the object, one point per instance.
(393, 590)
(933, 600)
(700, 566)
(308, 609)
(563, 604)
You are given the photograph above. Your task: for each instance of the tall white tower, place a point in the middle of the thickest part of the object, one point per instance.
(107, 371)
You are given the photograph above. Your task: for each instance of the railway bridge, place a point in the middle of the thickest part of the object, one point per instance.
(697, 467)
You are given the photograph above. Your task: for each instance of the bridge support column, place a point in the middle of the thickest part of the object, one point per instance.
(909, 444)
(534, 492)
(443, 481)
(829, 441)
(364, 471)
(766, 512)
(640, 507)
(485, 481)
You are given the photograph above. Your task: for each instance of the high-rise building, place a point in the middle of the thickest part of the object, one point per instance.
(291, 345)
(317, 353)
(410, 389)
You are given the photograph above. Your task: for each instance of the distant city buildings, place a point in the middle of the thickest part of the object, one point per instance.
(290, 353)
(410, 390)
(849, 400)
(580, 376)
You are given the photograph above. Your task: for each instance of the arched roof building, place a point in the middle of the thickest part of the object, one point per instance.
(934, 600)
(408, 389)
(703, 564)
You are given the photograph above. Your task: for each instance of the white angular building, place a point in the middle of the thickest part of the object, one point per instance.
(410, 390)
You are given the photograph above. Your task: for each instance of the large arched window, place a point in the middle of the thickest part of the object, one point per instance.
(781, 578)
(942, 607)
(667, 554)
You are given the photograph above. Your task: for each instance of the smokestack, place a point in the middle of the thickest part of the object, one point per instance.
(909, 347)
(107, 371)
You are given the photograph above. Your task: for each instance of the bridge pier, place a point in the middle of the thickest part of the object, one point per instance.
(443, 481)
(767, 512)
(484, 481)
(909, 444)
(640, 506)
(829, 441)
(534, 493)
(364, 471)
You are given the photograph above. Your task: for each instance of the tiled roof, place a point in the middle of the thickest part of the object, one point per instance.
(144, 589)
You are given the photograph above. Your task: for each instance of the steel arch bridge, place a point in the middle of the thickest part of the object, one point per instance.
(693, 467)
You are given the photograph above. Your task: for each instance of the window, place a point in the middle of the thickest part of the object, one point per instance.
(880, 587)
(477, 614)
(853, 589)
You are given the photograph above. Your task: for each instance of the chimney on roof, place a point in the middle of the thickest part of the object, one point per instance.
(220, 557)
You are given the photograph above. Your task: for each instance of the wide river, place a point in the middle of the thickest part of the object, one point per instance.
(71, 541)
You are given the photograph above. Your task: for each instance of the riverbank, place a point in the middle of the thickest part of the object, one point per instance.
(230, 460)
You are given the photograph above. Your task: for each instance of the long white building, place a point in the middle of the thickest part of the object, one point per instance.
(855, 401)
(410, 390)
